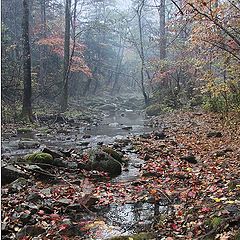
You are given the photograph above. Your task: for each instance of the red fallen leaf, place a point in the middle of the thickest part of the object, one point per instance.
(179, 213)
(65, 237)
(63, 227)
(191, 194)
(41, 212)
(174, 226)
(159, 169)
(54, 216)
(205, 210)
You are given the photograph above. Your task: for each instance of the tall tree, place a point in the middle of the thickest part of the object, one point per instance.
(66, 60)
(27, 102)
(162, 29)
(42, 75)
(139, 12)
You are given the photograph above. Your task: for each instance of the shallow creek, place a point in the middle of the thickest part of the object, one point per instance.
(113, 220)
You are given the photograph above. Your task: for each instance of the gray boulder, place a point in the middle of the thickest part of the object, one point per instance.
(28, 144)
(10, 173)
(102, 161)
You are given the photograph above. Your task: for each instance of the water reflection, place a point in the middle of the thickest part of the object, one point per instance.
(128, 219)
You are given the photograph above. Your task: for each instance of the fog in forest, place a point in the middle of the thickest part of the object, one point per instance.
(120, 119)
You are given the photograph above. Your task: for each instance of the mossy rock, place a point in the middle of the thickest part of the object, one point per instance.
(40, 158)
(139, 236)
(24, 130)
(101, 161)
(153, 110)
(116, 155)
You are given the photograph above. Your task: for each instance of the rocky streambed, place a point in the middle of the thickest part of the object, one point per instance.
(70, 144)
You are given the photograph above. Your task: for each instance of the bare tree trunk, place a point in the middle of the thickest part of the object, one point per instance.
(119, 64)
(64, 104)
(42, 75)
(87, 87)
(163, 41)
(142, 56)
(27, 94)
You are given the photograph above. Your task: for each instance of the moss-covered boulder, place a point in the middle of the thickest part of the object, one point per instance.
(40, 158)
(153, 110)
(113, 153)
(101, 161)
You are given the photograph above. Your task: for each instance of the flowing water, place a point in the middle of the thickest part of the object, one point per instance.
(113, 220)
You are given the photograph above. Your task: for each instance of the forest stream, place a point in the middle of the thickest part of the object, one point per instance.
(57, 183)
(113, 219)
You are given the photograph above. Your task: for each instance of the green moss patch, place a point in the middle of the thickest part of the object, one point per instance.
(40, 158)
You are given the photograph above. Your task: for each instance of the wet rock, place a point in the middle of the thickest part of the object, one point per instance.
(146, 157)
(18, 185)
(40, 158)
(153, 110)
(28, 144)
(214, 134)
(10, 173)
(127, 128)
(84, 144)
(218, 153)
(123, 142)
(115, 154)
(189, 158)
(86, 136)
(145, 135)
(101, 161)
(151, 174)
(159, 135)
(31, 230)
(66, 153)
(53, 153)
(221, 152)
(25, 216)
(64, 201)
(34, 197)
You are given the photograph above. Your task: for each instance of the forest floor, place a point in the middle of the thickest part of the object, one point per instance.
(190, 174)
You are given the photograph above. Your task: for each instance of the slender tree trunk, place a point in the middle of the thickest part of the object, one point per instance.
(27, 94)
(64, 104)
(42, 75)
(87, 87)
(142, 56)
(163, 41)
(118, 66)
